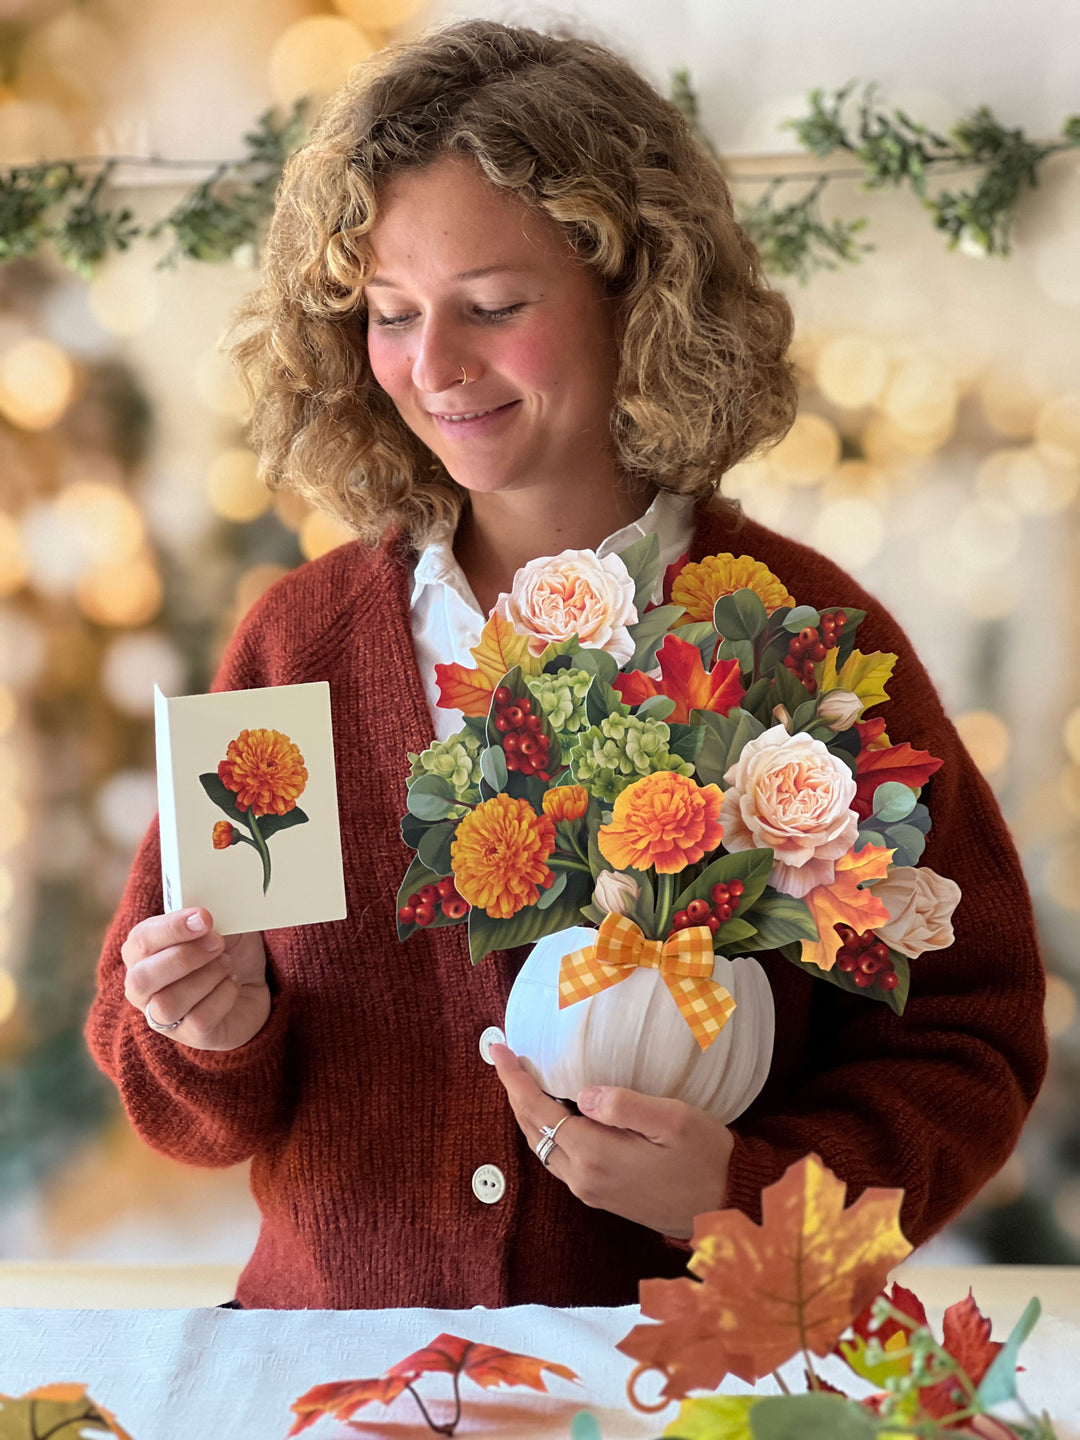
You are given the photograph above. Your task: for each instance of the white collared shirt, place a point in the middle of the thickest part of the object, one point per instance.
(446, 620)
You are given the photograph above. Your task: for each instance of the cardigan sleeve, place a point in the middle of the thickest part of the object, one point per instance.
(205, 1107)
(934, 1100)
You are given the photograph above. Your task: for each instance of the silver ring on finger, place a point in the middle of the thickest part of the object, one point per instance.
(157, 1025)
(550, 1131)
(544, 1149)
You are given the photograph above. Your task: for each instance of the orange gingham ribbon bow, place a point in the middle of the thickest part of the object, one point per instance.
(685, 960)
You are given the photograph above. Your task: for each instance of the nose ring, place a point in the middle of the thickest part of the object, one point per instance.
(464, 378)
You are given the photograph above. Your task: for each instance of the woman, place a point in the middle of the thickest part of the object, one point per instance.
(507, 311)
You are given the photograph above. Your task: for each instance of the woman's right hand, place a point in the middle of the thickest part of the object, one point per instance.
(216, 985)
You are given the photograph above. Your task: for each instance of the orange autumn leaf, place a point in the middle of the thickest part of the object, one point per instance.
(684, 679)
(879, 762)
(498, 650)
(50, 1408)
(486, 1365)
(766, 1292)
(843, 903)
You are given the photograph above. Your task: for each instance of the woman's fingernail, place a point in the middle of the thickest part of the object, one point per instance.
(589, 1098)
(195, 923)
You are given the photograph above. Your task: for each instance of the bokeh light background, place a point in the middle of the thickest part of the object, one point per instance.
(936, 457)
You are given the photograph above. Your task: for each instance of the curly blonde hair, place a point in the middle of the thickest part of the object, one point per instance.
(570, 128)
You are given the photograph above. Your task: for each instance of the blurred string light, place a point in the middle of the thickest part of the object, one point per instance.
(88, 524)
(1062, 876)
(219, 388)
(379, 15)
(8, 710)
(809, 450)
(1057, 430)
(37, 383)
(125, 295)
(9, 995)
(986, 738)
(1024, 478)
(254, 583)
(851, 371)
(921, 399)
(320, 533)
(1070, 735)
(234, 488)
(125, 805)
(1008, 403)
(126, 592)
(1061, 1006)
(313, 57)
(7, 889)
(850, 530)
(14, 570)
(134, 664)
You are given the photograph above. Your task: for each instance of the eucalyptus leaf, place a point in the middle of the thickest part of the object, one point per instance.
(597, 662)
(999, 1382)
(701, 634)
(426, 805)
(741, 616)
(434, 847)
(740, 650)
(649, 634)
(552, 893)
(493, 767)
(893, 801)
(723, 739)
(801, 617)
(814, 1416)
(657, 707)
(908, 843)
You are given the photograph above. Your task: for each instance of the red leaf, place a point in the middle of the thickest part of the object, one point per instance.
(879, 761)
(966, 1336)
(900, 1299)
(684, 679)
(487, 1365)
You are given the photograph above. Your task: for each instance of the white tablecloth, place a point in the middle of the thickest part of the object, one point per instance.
(174, 1374)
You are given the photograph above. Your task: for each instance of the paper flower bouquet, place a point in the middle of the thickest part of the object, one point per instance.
(693, 781)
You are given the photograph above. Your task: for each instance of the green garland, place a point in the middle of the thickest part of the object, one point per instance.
(65, 201)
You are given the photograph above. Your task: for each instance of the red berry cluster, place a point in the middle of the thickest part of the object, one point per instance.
(725, 901)
(865, 958)
(419, 909)
(810, 646)
(525, 746)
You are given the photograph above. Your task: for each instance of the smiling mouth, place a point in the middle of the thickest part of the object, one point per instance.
(470, 414)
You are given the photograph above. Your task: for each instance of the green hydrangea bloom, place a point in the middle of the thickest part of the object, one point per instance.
(621, 749)
(457, 760)
(561, 697)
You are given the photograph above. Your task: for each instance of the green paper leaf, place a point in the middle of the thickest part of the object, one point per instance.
(685, 740)
(271, 824)
(810, 1417)
(430, 797)
(225, 799)
(531, 923)
(434, 847)
(999, 1382)
(803, 714)
(741, 616)
(597, 662)
(701, 634)
(801, 618)
(659, 707)
(750, 866)
(907, 841)
(722, 742)
(549, 896)
(493, 767)
(740, 650)
(642, 560)
(780, 919)
(893, 801)
(650, 633)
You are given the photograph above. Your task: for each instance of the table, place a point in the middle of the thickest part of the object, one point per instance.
(169, 1373)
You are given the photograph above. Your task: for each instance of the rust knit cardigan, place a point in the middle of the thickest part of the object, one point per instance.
(364, 1102)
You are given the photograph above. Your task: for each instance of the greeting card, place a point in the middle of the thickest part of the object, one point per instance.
(247, 798)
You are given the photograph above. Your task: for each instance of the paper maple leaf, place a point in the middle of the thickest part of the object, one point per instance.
(880, 761)
(685, 680)
(766, 1292)
(498, 650)
(487, 1365)
(843, 903)
(864, 675)
(52, 1408)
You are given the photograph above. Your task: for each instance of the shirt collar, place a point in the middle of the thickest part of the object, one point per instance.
(668, 517)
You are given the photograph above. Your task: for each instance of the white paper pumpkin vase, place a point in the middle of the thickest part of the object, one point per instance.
(634, 1034)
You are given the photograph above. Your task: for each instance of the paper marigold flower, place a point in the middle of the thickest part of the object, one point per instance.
(566, 802)
(499, 855)
(224, 835)
(266, 770)
(666, 820)
(699, 585)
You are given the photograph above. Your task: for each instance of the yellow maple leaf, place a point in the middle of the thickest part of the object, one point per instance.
(498, 650)
(864, 675)
(843, 903)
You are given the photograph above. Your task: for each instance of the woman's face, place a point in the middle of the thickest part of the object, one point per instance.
(470, 278)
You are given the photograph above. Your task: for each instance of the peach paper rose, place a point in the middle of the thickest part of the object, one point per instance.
(920, 904)
(789, 794)
(575, 593)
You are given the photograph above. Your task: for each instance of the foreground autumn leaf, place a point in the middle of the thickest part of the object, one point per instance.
(498, 650)
(768, 1292)
(879, 761)
(684, 679)
(487, 1365)
(52, 1409)
(843, 903)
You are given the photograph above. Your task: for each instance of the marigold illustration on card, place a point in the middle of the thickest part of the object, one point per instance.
(247, 798)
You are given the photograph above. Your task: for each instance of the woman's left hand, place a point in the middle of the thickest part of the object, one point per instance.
(657, 1162)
